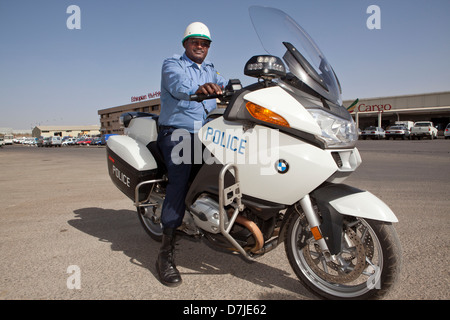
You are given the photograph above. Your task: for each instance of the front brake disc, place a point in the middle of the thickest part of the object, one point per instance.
(353, 261)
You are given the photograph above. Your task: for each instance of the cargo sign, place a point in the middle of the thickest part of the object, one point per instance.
(362, 107)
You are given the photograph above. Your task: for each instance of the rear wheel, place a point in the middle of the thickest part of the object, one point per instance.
(367, 267)
(151, 225)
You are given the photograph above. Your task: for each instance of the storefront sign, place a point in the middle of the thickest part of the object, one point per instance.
(152, 95)
(362, 107)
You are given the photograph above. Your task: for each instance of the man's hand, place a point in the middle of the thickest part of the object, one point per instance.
(209, 88)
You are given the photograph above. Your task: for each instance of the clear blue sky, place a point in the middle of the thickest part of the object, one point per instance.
(51, 75)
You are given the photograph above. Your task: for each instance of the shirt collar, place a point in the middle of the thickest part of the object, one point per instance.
(192, 63)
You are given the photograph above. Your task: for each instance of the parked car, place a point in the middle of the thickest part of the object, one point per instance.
(395, 132)
(1, 142)
(424, 129)
(20, 140)
(43, 142)
(80, 141)
(373, 133)
(68, 142)
(87, 141)
(447, 132)
(96, 142)
(30, 142)
(55, 141)
(408, 124)
(8, 139)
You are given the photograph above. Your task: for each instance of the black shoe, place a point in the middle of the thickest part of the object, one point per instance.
(165, 265)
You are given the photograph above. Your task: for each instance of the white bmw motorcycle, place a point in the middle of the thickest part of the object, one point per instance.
(272, 166)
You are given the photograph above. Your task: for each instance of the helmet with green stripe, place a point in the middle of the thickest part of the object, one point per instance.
(196, 30)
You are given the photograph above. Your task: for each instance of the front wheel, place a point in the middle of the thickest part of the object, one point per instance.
(366, 268)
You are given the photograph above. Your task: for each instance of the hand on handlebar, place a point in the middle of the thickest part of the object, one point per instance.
(213, 91)
(209, 88)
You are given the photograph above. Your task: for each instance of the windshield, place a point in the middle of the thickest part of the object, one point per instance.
(281, 36)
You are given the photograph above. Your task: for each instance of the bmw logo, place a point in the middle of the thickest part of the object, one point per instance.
(282, 166)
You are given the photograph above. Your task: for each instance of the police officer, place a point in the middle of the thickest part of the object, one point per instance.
(181, 77)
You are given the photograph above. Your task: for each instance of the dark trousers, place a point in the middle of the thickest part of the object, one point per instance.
(178, 175)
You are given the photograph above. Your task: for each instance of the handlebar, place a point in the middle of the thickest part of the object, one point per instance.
(232, 87)
(201, 97)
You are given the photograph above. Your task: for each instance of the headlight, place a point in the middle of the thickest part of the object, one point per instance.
(336, 132)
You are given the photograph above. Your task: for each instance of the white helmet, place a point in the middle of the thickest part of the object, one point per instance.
(196, 30)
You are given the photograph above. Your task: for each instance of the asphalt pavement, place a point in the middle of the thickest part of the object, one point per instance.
(66, 232)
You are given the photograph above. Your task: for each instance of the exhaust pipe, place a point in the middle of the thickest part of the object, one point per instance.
(256, 232)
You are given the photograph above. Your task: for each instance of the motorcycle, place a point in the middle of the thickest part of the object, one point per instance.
(271, 171)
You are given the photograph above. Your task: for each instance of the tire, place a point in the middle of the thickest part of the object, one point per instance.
(153, 228)
(380, 246)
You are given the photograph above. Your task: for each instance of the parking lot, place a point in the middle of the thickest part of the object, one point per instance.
(61, 216)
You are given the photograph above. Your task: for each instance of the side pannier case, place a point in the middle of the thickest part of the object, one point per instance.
(130, 162)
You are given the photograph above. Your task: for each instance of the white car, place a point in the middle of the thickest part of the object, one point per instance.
(373, 133)
(69, 142)
(447, 132)
(424, 129)
(30, 142)
(398, 131)
(55, 141)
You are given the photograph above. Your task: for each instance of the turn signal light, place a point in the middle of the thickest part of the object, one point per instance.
(266, 115)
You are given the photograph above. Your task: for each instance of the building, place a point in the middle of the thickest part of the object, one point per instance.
(15, 132)
(109, 118)
(383, 112)
(4, 130)
(63, 131)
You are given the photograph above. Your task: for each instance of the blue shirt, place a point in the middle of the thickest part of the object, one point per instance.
(180, 78)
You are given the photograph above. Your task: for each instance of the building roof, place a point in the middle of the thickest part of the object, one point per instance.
(131, 106)
(403, 96)
(65, 128)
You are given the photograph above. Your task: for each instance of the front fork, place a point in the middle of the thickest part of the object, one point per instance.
(314, 223)
(327, 230)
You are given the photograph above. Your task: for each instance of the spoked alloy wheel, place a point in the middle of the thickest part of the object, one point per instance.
(150, 224)
(367, 266)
